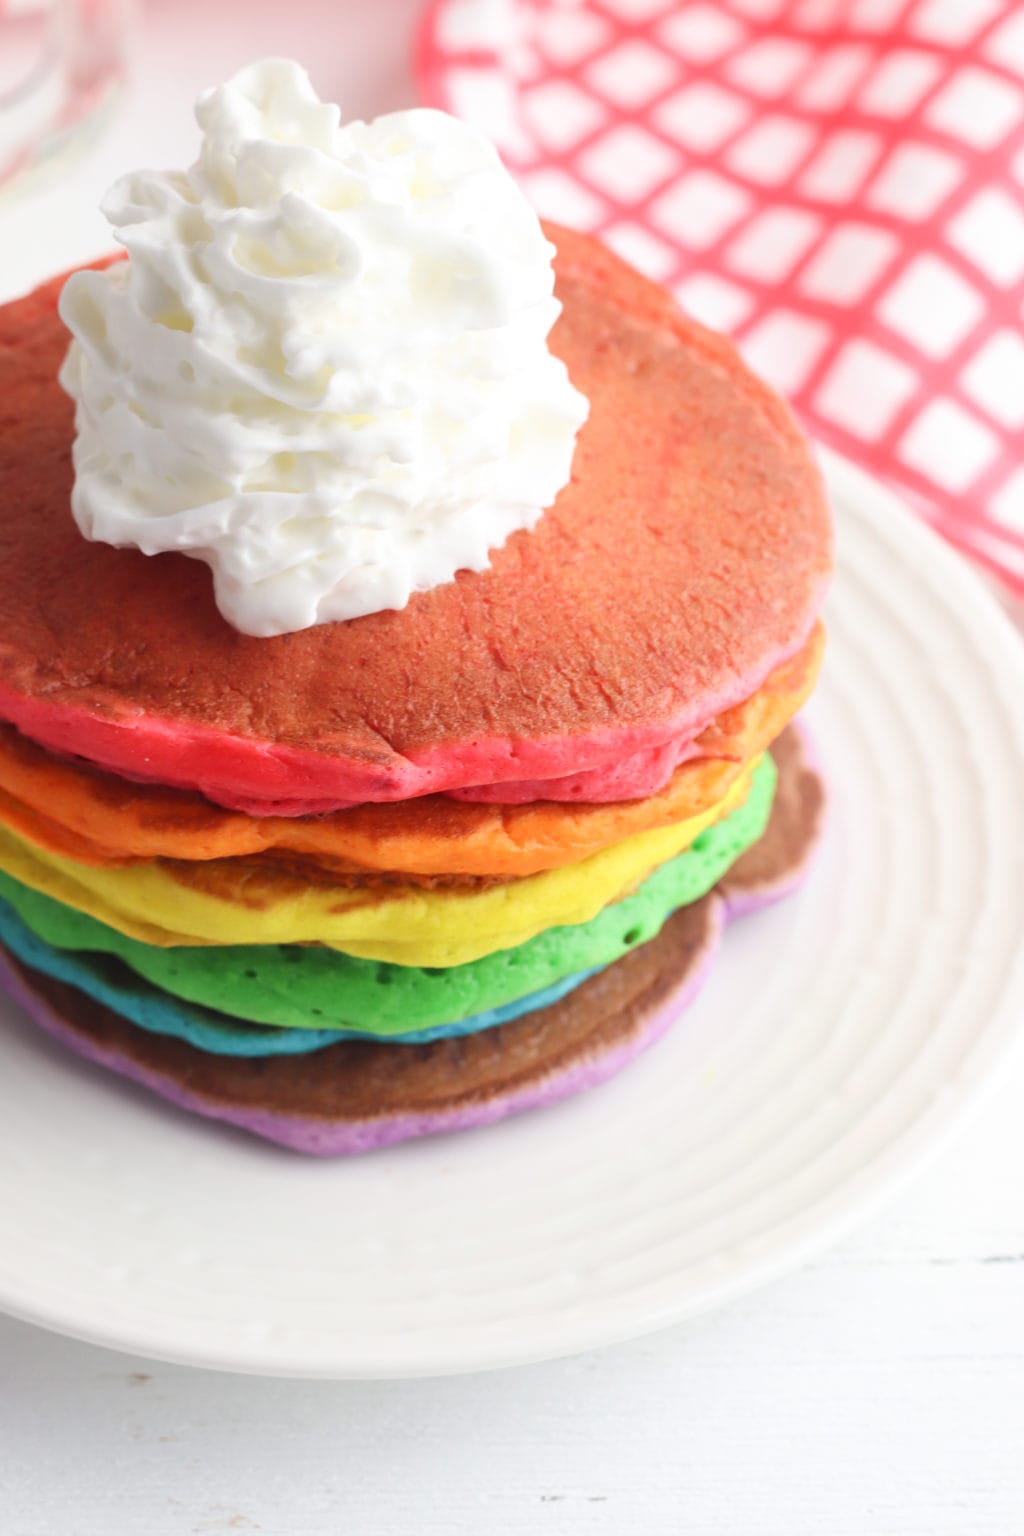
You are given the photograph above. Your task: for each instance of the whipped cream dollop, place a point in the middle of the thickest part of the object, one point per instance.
(324, 368)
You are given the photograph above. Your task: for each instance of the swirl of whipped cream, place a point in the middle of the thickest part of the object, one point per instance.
(324, 369)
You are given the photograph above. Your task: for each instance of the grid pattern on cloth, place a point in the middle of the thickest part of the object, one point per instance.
(838, 184)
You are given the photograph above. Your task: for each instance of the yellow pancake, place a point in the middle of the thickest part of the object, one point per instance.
(236, 901)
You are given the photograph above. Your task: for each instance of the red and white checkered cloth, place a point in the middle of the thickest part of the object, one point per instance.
(837, 183)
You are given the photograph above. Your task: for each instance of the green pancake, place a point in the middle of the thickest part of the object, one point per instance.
(308, 987)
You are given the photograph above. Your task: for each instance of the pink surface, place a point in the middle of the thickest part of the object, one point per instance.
(837, 183)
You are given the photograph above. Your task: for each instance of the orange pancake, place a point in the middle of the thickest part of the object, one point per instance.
(74, 810)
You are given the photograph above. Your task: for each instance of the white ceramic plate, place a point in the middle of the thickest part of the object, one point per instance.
(838, 1040)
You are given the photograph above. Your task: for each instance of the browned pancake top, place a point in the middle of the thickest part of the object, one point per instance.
(686, 557)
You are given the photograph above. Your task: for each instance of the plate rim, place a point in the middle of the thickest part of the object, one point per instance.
(865, 1191)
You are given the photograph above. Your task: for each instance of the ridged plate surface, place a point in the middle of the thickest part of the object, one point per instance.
(840, 1037)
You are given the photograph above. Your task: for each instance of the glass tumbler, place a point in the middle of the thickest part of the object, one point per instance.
(62, 63)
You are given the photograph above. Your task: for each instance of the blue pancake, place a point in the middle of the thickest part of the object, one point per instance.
(110, 982)
(358, 1095)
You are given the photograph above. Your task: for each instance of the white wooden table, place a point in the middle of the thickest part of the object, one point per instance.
(880, 1391)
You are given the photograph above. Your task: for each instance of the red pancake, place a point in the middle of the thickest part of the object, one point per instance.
(685, 560)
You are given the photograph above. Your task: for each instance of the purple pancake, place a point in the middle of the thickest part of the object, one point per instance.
(357, 1095)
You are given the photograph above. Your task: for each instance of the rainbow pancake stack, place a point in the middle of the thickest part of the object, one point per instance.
(418, 869)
